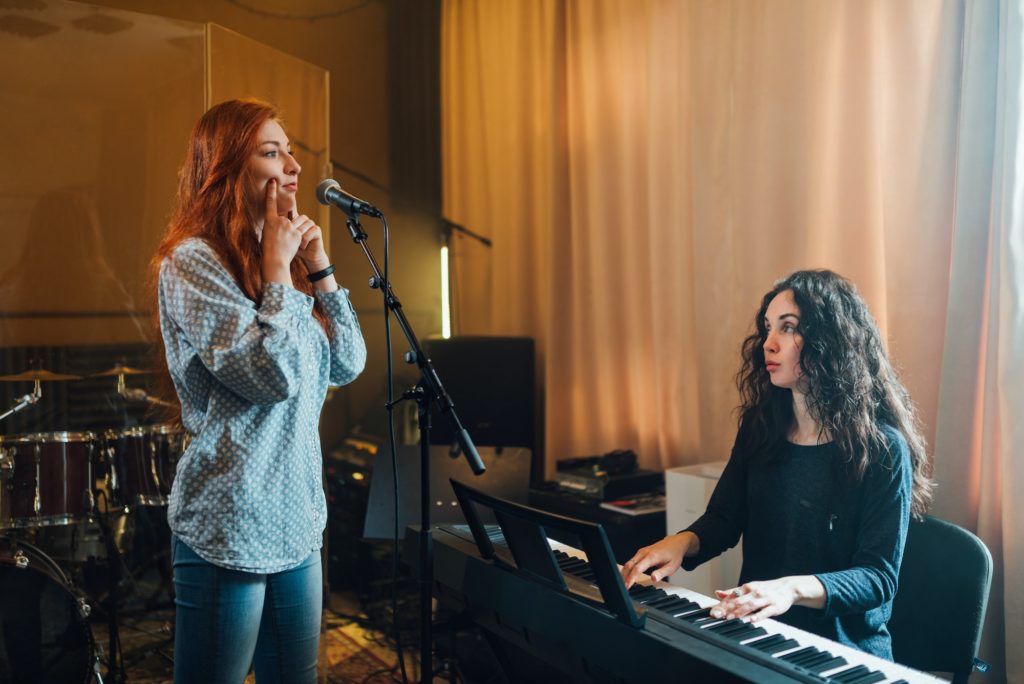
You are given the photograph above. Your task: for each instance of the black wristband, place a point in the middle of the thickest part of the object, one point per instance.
(320, 275)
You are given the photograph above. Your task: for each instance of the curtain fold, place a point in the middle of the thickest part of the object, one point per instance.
(980, 438)
(647, 169)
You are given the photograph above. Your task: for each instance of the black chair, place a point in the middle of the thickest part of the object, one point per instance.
(939, 608)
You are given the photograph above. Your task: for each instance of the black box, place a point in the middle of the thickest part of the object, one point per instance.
(604, 487)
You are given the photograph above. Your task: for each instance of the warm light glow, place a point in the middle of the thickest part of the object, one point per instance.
(446, 312)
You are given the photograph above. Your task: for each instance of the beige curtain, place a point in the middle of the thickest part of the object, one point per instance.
(980, 437)
(647, 168)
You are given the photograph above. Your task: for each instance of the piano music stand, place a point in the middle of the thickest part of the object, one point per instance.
(507, 476)
(525, 531)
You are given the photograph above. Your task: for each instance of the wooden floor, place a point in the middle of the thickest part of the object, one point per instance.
(350, 649)
(357, 638)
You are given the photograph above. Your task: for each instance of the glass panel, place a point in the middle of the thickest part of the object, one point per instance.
(242, 67)
(98, 104)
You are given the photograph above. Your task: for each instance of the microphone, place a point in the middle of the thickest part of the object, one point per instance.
(329, 192)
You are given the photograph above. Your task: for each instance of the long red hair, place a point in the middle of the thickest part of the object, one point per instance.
(215, 203)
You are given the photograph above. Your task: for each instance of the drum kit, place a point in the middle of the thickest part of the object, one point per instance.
(72, 494)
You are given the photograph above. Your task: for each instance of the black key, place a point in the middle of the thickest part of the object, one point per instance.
(645, 598)
(573, 565)
(767, 642)
(690, 607)
(869, 678)
(722, 624)
(684, 608)
(847, 676)
(696, 615)
(729, 626)
(829, 664)
(676, 606)
(814, 660)
(784, 646)
(639, 592)
(796, 655)
(750, 633)
(706, 622)
(666, 600)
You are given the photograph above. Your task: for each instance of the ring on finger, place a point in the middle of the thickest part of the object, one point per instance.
(736, 593)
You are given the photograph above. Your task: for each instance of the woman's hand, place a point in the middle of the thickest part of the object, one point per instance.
(756, 601)
(279, 241)
(664, 557)
(311, 249)
(287, 235)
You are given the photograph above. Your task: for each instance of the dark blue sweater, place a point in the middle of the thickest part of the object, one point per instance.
(797, 518)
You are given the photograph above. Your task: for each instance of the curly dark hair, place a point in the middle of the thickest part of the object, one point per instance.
(852, 389)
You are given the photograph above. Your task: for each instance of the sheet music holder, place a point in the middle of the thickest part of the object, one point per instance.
(526, 532)
(507, 476)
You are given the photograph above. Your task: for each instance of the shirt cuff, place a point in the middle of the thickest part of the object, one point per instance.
(827, 583)
(337, 304)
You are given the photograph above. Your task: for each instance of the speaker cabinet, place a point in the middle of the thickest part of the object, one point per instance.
(491, 382)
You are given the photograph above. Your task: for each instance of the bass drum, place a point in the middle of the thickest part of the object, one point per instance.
(44, 636)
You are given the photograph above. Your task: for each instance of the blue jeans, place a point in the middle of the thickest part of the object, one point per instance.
(227, 619)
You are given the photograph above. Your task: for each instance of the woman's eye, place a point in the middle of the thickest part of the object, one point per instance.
(270, 153)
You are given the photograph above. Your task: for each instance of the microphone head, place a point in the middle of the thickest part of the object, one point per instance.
(326, 185)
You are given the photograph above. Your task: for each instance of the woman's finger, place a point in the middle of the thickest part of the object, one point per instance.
(271, 198)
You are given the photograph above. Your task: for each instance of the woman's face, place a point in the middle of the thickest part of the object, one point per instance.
(784, 341)
(273, 160)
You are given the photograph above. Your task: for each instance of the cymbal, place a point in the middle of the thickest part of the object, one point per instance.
(120, 370)
(39, 374)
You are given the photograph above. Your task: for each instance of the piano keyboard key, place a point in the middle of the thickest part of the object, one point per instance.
(808, 652)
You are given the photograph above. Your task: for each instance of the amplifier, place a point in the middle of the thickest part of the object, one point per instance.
(605, 487)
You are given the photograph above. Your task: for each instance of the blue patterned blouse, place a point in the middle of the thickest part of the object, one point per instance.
(248, 492)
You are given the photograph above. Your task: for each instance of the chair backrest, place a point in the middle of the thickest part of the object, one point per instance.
(939, 608)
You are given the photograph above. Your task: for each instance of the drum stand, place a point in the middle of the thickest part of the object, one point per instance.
(151, 521)
(24, 401)
(114, 657)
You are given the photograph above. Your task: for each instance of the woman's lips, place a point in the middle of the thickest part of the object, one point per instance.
(771, 367)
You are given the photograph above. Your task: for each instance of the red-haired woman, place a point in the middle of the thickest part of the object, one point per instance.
(254, 328)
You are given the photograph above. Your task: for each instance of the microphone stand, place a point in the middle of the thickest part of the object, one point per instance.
(428, 389)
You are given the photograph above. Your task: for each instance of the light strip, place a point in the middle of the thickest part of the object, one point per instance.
(446, 311)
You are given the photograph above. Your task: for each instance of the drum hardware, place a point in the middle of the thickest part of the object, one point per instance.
(131, 393)
(50, 479)
(119, 370)
(39, 375)
(6, 463)
(22, 402)
(141, 462)
(45, 636)
(36, 376)
(116, 655)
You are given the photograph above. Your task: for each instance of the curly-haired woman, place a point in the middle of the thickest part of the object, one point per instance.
(827, 468)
